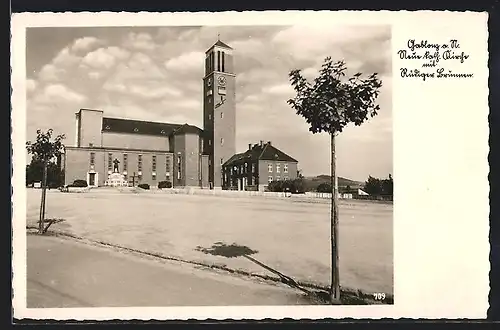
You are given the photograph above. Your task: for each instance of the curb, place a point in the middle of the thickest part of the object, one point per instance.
(350, 293)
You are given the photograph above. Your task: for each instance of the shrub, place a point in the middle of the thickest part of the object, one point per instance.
(164, 184)
(295, 186)
(144, 186)
(324, 187)
(79, 183)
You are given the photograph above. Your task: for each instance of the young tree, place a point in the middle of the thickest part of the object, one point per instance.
(329, 104)
(44, 150)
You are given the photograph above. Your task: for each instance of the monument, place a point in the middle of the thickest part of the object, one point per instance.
(116, 179)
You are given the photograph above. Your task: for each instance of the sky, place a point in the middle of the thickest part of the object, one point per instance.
(155, 74)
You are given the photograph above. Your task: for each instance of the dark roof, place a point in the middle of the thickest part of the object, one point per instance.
(266, 151)
(219, 44)
(119, 125)
(188, 129)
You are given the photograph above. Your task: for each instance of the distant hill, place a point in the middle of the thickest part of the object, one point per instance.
(311, 183)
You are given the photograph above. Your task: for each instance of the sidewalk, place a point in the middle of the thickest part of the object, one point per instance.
(66, 273)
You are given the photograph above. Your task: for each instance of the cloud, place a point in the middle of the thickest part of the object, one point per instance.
(51, 73)
(85, 43)
(186, 62)
(105, 58)
(139, 41)
(30, 85)
(59, 91)
(281, 89)
(154, 93)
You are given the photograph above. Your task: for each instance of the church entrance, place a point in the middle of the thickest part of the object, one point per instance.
(91, 179)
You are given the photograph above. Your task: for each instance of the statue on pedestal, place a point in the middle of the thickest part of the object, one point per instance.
(115, 166)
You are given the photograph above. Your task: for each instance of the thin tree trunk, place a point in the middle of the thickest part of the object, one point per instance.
(42, 205)
(335, 289)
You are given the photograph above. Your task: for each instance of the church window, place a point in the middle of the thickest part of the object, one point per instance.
(253, 168)
(92, 158)
(136, 130)
(167, 164)
(221, 141)
(223, 58)
(153, 176)
(270, 168)
(209, 142)
(139, 163)
(125, 162)
(285, 168)
(154, 163)
(218, 60)
(246, 167)
(179, 166)
(110, 161)
(209, 117)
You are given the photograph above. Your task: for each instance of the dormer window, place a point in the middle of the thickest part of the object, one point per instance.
(107, 127)
(136, 130)
(162, 132)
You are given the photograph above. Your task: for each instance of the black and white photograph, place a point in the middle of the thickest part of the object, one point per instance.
(205, 165)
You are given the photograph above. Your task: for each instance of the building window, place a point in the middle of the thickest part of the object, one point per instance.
(110, 161)
(92, 158)
(153, 163)
(285, 168)
(221, 114)
(167, 164)
(139, 163)
(179, 168)
(221, 141)
(209, 100)
(270, 179)
(277, 168)
(270, 168)
(277, 178)
(218, 60)
(209, 142)
(125, 162)
(209, 117)
(253, 168)
(153, 176)
(246, 167)
(223, 60)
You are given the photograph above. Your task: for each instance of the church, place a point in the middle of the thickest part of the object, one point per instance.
(123, 152)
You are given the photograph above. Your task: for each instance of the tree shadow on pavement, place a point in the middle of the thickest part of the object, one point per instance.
(313, 296)
(234, 250)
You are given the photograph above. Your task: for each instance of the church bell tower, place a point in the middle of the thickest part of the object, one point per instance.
(219, 109)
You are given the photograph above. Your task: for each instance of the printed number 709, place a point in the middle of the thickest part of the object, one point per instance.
(379, 296)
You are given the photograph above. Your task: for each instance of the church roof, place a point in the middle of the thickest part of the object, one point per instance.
(119, 125)
(218, 44)
(264, 151)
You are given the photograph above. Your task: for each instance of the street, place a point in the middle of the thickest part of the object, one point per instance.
(66, 273)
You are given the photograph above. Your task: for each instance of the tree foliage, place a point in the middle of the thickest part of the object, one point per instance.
(332, 102)
(379, 187)
(295, 186)
(34, 173)
(43, 149)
